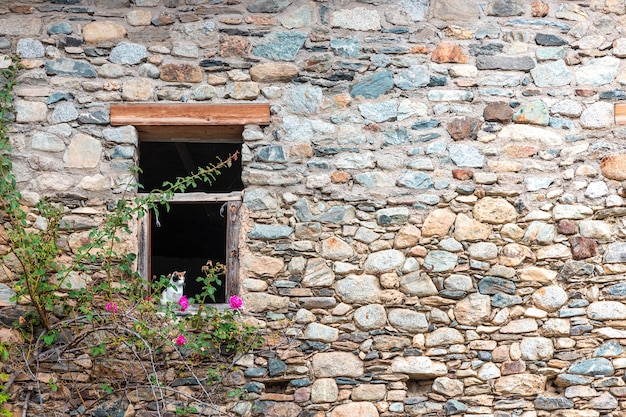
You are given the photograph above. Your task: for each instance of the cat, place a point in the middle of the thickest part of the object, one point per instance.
(174, 290)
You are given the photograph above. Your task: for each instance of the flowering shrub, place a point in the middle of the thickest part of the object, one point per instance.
(131, 340)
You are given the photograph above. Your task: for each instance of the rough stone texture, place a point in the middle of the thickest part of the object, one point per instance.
(438, 194)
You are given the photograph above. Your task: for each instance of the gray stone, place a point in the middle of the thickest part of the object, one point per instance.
(122, 135)
(317, 274)
(551, 74)
(128, 53)
(440, 261)
(506, 63)
(606, 310)
(274, 153)
(321, 332)
(417, 180)
(418, 284)
(598, 71)
(358, 289)
(358, 18)
(346, 47)
(493, 285)
(418, 367)
(370, 317)
(384, 261)
(552, 403)
(47, 142)
(407, 320)
(269, 232)
(412, 78)
(598, 116)
(281, 46)
(268, 6)
(373, 86)
(444, 336)
(536, 348)
(466, 156)
(450, 95)
(62, 28)
(609, 349)
(83, 152)
(392, 216)
(21, 26)
(379, 112)
(592, 367)
(374, 179)
(64, 112)
(258, 199)
(30, 48)
(64, 66)
(304, 100)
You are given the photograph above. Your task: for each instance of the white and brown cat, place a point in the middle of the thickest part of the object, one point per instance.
(174, 290)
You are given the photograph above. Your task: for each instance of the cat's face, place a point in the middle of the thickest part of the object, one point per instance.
(178, 278)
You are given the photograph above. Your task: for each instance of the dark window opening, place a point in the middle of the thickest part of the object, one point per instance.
(191, 232)
(165, 161)
(185, 238)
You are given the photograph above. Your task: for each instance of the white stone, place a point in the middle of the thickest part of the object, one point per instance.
(418, 367)
(606, 310)
(536, 348)
(370, 317)
(488, 371)
(550, 298)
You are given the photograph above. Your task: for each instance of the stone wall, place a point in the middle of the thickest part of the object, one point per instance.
(434, 216)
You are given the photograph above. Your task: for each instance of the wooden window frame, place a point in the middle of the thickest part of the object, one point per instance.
(189, 122)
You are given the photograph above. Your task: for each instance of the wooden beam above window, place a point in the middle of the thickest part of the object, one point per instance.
(620, 113)
(190, 114)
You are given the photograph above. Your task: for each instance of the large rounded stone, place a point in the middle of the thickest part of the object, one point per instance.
(536, 348)
(550, 298)
(321, 332)
(384, 261)
(614, 167)
(361, 409)
(494, 211)
(419, 284)
(262, 265)
(358, 289)
(473, 310)
(370, 317)
(606, 310)
(324, 390)
(447, 386)
(334, 364)
(336, 249)
(103, 31)
(444, 336)
(418, 367)
(520, 385)
(438, 222)
(408, 320)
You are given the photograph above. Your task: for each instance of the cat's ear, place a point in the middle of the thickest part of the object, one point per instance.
(183, 273)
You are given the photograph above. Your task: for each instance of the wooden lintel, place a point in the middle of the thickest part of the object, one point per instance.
(189, 114)
(620, 113)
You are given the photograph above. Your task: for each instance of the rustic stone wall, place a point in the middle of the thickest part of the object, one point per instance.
(434, 216)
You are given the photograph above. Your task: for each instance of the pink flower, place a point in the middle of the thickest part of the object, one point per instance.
(235, 302)
(184, 303)
(111, 307)
(180, 340)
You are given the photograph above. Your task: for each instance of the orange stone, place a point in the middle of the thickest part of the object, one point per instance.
(340, 177)
(234, 46)
(519, 151)
(539, 9)
(614, 167)
(448, 51)
(261, 20)
(273, 72)
(301, 150)
(181, 73)
(420, 49)
(462, 174)
(16, 8)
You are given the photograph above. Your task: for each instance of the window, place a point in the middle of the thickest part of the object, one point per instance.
(203, 223)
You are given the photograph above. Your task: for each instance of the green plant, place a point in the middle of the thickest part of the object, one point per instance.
(115, 313)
